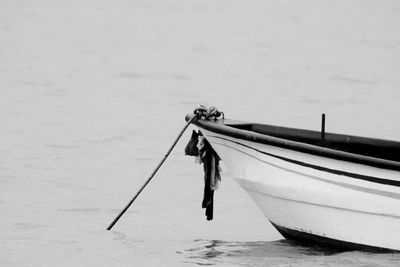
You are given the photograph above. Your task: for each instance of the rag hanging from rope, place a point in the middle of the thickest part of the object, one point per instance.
(199, 147)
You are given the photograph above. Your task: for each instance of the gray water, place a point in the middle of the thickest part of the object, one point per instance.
(92, 94)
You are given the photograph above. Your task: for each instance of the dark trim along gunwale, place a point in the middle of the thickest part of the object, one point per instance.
(232, 129)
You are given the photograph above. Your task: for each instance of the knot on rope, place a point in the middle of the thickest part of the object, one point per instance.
(208, 113)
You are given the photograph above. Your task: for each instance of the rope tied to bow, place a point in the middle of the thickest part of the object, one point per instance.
(208, 113)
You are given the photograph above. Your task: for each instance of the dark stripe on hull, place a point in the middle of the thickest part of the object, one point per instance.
(308, 239)
(320, 168)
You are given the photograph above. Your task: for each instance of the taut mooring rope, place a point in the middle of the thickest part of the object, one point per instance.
(153, 173)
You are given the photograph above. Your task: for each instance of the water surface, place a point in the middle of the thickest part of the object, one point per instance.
(92, 93)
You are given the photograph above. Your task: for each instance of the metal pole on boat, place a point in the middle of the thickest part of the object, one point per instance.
(153, 173)
(323, 127)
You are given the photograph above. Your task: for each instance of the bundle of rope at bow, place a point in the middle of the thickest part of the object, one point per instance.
(204, 154)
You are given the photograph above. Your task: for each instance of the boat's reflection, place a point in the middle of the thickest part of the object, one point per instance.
(215, 252)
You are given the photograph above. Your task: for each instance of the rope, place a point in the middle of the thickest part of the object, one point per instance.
(208, 113)
(152, 175)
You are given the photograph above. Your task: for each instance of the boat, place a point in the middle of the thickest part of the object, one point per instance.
(332, 190)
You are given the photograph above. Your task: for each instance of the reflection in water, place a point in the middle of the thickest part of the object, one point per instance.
(281, 252)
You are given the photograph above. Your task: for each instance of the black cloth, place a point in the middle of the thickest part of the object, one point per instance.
(191, 147)
(210, 160)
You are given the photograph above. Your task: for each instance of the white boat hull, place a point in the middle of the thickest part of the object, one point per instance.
(316, 198)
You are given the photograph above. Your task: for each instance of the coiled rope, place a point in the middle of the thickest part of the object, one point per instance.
(208, 113)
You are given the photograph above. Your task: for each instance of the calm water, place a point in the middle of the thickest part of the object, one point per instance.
(92, 93)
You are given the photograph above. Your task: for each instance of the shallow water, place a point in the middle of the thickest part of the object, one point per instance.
(92, 93)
